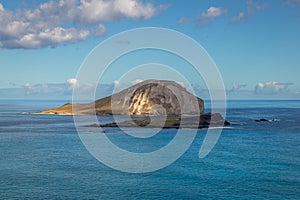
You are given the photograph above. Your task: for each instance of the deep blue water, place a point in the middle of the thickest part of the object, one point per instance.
(42, 157)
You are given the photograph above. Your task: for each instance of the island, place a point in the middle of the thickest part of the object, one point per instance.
(148, 103)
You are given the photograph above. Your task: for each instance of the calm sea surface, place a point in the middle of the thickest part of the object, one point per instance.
(42, 157)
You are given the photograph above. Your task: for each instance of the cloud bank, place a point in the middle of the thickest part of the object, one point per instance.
(67, 21)
(271, 88)
(64, 90)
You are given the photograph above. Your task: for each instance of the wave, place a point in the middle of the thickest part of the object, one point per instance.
(221, 127)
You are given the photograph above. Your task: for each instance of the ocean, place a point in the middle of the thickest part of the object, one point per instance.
(42, 157)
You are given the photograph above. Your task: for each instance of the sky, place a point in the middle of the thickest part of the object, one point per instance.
(254, 43)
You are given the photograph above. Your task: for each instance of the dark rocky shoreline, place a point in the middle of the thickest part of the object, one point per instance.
(176, 122)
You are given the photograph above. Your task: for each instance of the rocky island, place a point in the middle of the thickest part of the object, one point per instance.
(149, 98)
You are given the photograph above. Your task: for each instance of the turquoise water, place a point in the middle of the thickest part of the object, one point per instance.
(42, 157)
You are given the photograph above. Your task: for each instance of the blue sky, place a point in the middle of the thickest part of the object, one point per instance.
(255, 43)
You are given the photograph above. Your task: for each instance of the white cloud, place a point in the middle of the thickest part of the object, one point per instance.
(93, 11)
(37, 89)
(211, 13)
(181, 84)
(73, 82)
(136, 81)
(183, 20)
(236, 87)
(116, 83)
(100, 30)
(67, 21)
(58, 88)
(241, 17)
(164, 7)
(253, 7)
(28, 85)
(1, 7)
(47, 37)
(272, 87)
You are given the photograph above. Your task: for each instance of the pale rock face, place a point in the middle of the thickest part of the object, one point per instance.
(155, 97)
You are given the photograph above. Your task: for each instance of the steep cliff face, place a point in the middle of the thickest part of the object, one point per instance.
(151, 97)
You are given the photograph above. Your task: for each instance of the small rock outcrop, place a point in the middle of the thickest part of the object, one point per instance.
(264, 120)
